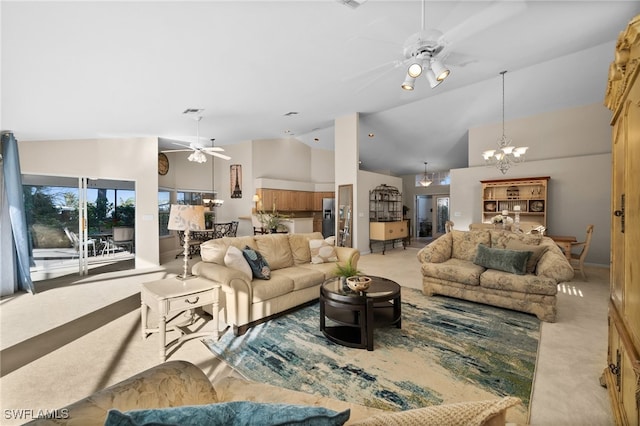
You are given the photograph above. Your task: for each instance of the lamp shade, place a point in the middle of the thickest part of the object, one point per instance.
(255, 198)
(186, 217)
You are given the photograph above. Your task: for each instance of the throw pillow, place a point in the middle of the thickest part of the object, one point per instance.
(230, 413)
(234, 259)
(259, 266)
(489, 412)
(322, 252)
(536, 253)
(213, 251)
(513, 261)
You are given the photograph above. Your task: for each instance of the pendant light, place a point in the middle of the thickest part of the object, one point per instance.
(425, 181)
(506, 154)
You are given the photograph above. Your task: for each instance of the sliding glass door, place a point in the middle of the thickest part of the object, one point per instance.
(70, 222)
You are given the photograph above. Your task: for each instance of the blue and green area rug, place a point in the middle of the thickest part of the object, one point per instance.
(448, 350)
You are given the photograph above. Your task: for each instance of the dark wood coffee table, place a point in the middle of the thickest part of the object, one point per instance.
(354, 315)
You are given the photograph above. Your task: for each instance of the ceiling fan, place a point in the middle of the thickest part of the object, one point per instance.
(197, 150)
(427, 50)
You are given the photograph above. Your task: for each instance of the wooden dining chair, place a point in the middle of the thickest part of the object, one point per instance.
(448, 226)
(582, 248)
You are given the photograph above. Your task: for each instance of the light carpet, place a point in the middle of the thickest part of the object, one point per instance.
(448, 350)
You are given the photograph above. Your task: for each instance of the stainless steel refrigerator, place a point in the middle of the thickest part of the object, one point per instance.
(328, 217)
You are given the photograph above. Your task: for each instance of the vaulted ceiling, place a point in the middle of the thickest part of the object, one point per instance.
(82, 69)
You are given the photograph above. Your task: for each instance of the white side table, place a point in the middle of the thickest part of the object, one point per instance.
(170, 297)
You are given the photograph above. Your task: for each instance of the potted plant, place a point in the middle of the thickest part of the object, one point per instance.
(345, 271)
(271, 221)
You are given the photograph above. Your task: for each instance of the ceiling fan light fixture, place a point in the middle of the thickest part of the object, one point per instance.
(415, 70)
(408, 83)
(431, 77)
(197, 157)
(439, 70)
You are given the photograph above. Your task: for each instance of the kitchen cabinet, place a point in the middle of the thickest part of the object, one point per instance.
(286, 200)
(317, 199)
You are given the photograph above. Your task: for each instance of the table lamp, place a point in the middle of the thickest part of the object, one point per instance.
(186, 218)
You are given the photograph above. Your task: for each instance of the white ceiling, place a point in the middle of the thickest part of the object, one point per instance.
(124, 69)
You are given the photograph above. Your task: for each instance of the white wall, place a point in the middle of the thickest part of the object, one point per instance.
(282, 159)
(133, 159)
(563, 133)
(573, 147)
(322, 166)
(345, 158)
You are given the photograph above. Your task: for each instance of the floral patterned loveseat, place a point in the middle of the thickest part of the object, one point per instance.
(478, 265)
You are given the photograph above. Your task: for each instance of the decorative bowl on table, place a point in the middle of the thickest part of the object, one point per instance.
(358, 283)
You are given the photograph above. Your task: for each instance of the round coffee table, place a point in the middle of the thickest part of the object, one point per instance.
(354, 315)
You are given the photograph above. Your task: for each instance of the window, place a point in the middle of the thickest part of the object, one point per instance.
(187, 198)
(164, 206)
(438, 178)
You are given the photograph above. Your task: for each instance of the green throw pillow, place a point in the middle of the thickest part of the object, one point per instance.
(536, 252)
(236, 413)
(513, 261)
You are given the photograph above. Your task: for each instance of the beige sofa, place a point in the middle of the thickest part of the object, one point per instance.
(180, 383)
(448, 268)
(294, 281)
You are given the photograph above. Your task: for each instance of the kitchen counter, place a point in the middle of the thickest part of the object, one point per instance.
(299, 225)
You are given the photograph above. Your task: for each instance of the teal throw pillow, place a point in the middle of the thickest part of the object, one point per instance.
(259, 266)
(536, 253)
(236, 413)
(514, 261)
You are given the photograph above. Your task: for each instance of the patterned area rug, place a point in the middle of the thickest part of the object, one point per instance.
(448, 350)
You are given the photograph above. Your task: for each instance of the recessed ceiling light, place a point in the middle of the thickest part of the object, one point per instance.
(316, 139)
(352, 3)
(291, 113)
(371, 135)
(193, 111)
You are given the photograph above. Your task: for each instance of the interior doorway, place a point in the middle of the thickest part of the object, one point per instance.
(424, 216)
(432, 212)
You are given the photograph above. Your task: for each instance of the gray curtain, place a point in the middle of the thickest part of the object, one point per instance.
(14, 244)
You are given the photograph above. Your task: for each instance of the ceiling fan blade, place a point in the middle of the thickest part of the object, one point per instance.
(499, 11)
(212, 148)
(457, 59)
(381, 74)
(215, 154)
(177, 150)
(181, 144)
(378, 69)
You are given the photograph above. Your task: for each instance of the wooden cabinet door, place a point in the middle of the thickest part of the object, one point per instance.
(623, 360)
(267, 198)
(632, 219)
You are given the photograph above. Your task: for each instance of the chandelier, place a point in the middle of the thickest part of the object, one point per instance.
(425, 181)
(506, 154)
